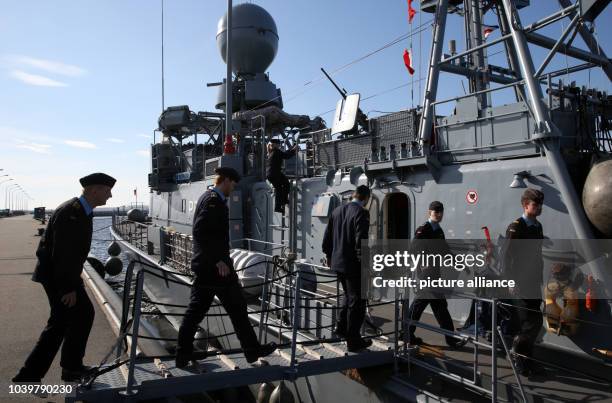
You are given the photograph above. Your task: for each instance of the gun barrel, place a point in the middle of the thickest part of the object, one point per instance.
(343, 93)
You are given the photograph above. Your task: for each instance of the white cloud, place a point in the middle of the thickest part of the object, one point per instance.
(35, 79)
(114, 140)
(24, 135)
(80, 144)
(48, 65)
(143, 152)
(35, 147)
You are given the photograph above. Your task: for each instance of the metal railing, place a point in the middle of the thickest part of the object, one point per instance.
(176, 250)
(133, 232)
(293, 311)
(296, 301)
(496, 331)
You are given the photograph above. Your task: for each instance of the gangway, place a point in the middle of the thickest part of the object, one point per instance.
(158, 378)
(140, 378)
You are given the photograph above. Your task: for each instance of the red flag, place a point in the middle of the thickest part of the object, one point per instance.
(411, 12)
(487, 30)
(408, 61)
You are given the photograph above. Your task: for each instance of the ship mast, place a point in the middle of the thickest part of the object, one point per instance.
(515, 38)
(228, 74)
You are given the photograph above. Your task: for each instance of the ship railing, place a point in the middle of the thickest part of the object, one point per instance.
(267, 246)
(292, 303)
(176, 249)
(474, 339)
(133, 232)
(292, 281)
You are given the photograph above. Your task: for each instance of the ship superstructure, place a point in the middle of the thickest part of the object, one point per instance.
(478, 160)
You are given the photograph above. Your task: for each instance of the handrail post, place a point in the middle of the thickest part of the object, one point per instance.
(510, 359)
(264, 298)
(162, 245)
(125, 307)
(296, 314)
(493, 351)
(396, 332)
(477, 305)
(135, 327)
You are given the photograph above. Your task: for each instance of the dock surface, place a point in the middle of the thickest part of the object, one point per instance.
(24, 308)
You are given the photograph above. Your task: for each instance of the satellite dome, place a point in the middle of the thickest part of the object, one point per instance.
(254, 38)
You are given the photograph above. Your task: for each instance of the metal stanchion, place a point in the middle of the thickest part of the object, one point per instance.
(296, 316)
(136, 325)
(264, 298)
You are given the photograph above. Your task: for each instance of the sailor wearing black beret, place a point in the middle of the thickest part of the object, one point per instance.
(214, 272)
(61, 253)
(97, 178)
(431, 229)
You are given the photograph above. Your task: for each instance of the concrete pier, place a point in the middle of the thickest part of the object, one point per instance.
(24, 309)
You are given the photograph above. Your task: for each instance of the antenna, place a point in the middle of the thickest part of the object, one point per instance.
(162, 55)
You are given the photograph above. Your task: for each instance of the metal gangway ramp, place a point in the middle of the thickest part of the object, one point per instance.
(140, 378)
(157, 378)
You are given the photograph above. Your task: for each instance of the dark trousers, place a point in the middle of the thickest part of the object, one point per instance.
(281, 191)
(528, 319)
(68, 325)
(353, 309)
(439, 306)
(229, 293)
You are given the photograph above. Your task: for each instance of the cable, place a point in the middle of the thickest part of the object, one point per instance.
(346, 66)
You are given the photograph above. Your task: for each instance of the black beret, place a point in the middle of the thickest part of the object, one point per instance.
(436, 206)
(228, 172)
(363, 190)
(98, 178)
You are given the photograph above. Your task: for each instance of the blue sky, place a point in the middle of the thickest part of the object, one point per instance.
(81, 79)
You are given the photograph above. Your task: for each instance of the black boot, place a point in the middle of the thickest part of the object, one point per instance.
(261, 351)
(358, 344)
(75, 375)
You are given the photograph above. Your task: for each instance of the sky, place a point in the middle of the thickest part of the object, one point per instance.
(81, 79)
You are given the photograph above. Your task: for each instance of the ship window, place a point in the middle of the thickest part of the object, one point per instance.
(396, 216)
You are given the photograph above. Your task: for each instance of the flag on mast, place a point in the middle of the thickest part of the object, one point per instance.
(487, 30)
(411, 12)
(408, 61)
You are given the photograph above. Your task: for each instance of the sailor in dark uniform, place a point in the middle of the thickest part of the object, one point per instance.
(61, 253)
(275, 173)
(214, 273)
(431, 229)
(347, 227)
(523, 263)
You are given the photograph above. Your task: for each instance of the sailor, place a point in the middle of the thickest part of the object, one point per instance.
(347, 227)
(523, 263)
(275, 173)
(431, 229)
(61, 253)
(214, 273)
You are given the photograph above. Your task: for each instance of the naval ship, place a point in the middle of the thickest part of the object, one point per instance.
(477, 160)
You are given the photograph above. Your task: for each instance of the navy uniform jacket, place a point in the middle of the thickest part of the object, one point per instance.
(64, 247)
(523, 260)
(347, 226)
(275, 161)
(210, 235)
(426, 232)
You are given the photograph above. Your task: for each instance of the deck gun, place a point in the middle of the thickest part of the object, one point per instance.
(362, 119)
